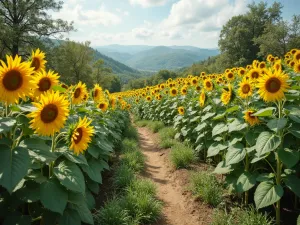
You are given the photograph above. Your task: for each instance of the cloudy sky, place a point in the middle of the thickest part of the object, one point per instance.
(155, 22)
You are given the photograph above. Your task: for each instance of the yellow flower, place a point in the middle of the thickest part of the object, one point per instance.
(38, 60)
(252, 120)
(202, 98)
(103, 106)
(194, 81)
(15, 80)
(297, 67)
(173, 92)
(245, 89)
(148, 98)
(181, 110)
(242, 72)
(226, 95)
(271, 86)
(297, 55)
(97, 92)
(79, 93)
(208, 85)
(50, 115)
(81, 136)
(44, 81)
(230, 76)
(254, 74)
(184, 90)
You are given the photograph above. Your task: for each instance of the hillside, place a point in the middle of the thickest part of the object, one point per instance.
(150, 58)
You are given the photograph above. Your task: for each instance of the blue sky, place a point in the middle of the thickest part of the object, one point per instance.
(155, 22)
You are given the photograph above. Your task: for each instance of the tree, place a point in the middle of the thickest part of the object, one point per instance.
(100, 71)
(24, 22)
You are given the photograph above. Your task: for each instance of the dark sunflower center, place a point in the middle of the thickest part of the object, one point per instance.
(101, 106)
(298, 67)
(198, 88)
(246, 88)
(12, 80)
(262, 66)
(78, 135)
(242, 72)
(96, 93)
(173, 92)
(184, 91)
(194, 81)
(273, 85)
(64, 86)
(297, 56)
(230, 75)
(208, 84)
(35, 63)
(250, 114)
(255, 75)
(49, 113)
(44, 84)
(77, 93)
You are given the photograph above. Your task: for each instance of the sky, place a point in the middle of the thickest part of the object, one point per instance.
(155, 22)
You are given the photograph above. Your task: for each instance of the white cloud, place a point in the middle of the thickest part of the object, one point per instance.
(148, 3)
(122, 12)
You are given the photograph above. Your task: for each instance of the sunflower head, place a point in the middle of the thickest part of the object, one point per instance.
(226, 96)
(50, 115)
(242, 72)
(44, 81)
(15, 80)
(202, 98)
(272, 85)
(183, 90)
(252, 120)
(148, 98)
(80, 135)
(297, 67)
(97, 92)
(245, 89)
(181, 110)
(254, 74)
(297, 55)
(79, 93)
(38, 60)
(230, 76)
(208, 85)
(173, 91)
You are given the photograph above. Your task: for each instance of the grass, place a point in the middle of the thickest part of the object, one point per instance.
(241, 217)
(131, 133)
(142, 123)
(155, 126)
(167, 133)
(134, 160)
(142, 186)
(123, 176)
(182, 156)
(206, 186)
(129, 145)
(167, 143)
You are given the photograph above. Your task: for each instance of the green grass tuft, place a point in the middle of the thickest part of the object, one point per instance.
(182, 156)
(143, 186)
(167, 143)
(123, 176)
(129, 145)
(167, 133)
(142, 123)
(134, 160)
(155, 126)
(205, 185)
(131, 133)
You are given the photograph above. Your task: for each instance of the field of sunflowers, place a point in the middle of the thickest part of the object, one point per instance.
(245, 121)
(54, 143)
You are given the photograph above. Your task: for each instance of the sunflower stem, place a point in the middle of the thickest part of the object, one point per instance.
(52, 150)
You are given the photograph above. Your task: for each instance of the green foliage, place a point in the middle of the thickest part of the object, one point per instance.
(240, 217)
(131, 133)
(206, 186)
(129, 145)
(134, 160)
(143, 186)
(142, 123)
(182, 156)
(167, 143)
(167, 133)
(155, 126)
(123, 176)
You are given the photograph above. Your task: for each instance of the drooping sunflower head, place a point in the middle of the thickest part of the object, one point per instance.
(208, 85)
(50, 115)
(79, 93)
(173, 91)
(226, 95)
(44, 81)
(181, 110)
(15, 80)
(80, 135)
(272, 85)
(249, 118)
(202, 98)
(38, 60)
(245, 89)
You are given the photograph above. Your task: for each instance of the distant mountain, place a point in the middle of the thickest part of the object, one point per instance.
(154, 58)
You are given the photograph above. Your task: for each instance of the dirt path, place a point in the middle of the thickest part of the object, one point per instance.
(180, 208)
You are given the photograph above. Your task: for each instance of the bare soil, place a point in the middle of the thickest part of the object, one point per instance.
(179, 206)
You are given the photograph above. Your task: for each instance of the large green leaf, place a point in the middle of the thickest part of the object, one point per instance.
(298, 220)
(93, 186)
(295, 130)
(219, 129)
(293, 183)
(200, 127)
(70, 176)
(93, 170)
(6, 124)
(235, 154)
(267, 193)
(14, 165)
(221, 168)
(30, 192)
(266, 142)
(277, 124)
(215, 148)
(207, 116)
(289, 157)
(232, 109)
(237, 125)
(54, 196)
(245, 182)
(265, 177)
(265, 112)
(70, 217)
(16, 218)
(78, 159)
(35, 143)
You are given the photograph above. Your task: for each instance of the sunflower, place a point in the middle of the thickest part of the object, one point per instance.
(242, 72)
(252, 120)
(254, 74)
(181, 110)
(198, 88)
(245, 89)
(194, 81)
(297, 67)
(183, 90)
(97, 92)
(79, 93)
(148, 98)
(81, 135)
(202, 98)
(173, 92)
(208, 85)
(297, 55)
(15, 80)
(230, 76)
(50, 115)
(38, 60)
(226, 95)
(272, 85)
(44, 81)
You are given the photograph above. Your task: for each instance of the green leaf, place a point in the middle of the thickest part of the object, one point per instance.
(70, 176)
(35, 143)
(93, 170)
(277, 124)
(295, 130)
(219, 116)
(14, 165)
(289, 157)
(293, 183)
(207, 116)
(70, 217)
(59, 88)
(53, 196)
(84, 212)
(298, 220)
(267, 194)
(200, 127)
(251, 138)
(29, 193)
(264, 112)
(265, 177)
(16, 218)
(93, 186)
(215, 148)
(219, 129)
(90, 200)
(78, 159)
(6, 124)
(266, 142)
(221, 168)
(235, 154)
(237, 125)
(245, 182)
(232, 109)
